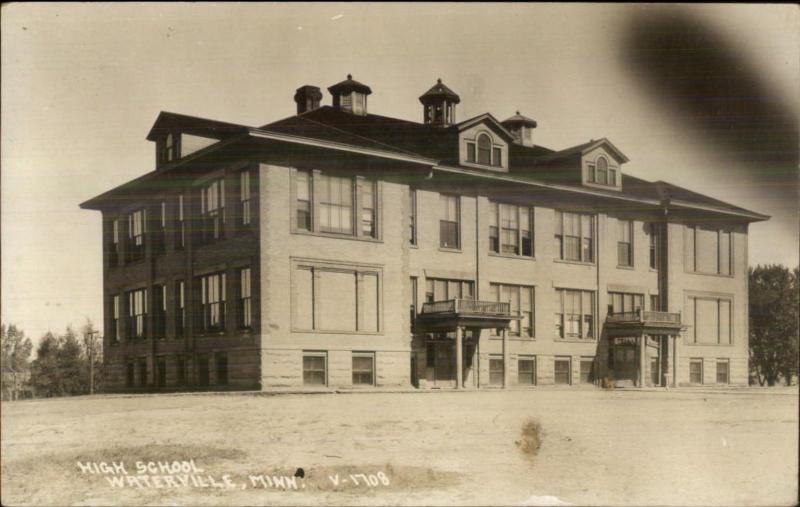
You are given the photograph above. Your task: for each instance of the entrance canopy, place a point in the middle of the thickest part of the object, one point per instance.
(464, 313)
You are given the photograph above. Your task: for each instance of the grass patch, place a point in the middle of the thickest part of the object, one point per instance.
(531, 440)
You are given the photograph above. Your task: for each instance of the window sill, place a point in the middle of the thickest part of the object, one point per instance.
(577, 263)
(318, 331)
(629, 268)
(514, 338)
(450, 250)
(575, 340)
(695, 344)
(718, 275)
(512, 256)
(367, 239)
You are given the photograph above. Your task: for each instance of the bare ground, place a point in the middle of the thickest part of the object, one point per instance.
(624, 447)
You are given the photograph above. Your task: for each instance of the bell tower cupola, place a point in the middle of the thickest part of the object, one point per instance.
(439, 105)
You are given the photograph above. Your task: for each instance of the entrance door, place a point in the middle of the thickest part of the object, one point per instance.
(625, 364)
(441, 364)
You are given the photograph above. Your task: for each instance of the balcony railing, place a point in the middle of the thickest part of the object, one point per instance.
(467, 306)
(650, 317)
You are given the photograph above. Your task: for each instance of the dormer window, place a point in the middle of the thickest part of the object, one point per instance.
(482, 151)
(600, 172)
(169, 149)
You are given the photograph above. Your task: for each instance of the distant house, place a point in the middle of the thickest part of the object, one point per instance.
(340, 248)
(16, 384)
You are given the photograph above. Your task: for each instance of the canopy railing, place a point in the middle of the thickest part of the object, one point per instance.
(467, 306)
(639, 315)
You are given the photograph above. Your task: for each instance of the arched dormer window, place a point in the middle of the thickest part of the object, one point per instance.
(602, 170)
(484, 149)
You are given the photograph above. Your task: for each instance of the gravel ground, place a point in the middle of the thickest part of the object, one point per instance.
(623, 447)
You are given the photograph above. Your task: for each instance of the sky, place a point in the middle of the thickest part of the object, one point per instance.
(83, 83)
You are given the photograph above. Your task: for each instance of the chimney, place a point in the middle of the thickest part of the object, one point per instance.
(350, 96)
(307, 98)
(521, 127)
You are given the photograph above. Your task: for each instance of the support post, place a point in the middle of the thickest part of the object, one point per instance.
(642, 358)
(675, 360)
(506, 360)
(459, 357)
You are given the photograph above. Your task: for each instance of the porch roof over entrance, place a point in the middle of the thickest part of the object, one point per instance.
(452, 313)
(639, 322)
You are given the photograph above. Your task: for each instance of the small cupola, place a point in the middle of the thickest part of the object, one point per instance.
(307, 98)
(439, 105)
(350, 96)
(521, 127)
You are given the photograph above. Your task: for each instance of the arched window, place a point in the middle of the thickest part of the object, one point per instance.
(484, 149)
(602, 170)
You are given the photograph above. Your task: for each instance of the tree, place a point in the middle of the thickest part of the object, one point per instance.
(16, 353)
(61, 367)
(774, 329)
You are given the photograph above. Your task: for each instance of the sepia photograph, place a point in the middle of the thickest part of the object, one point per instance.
(417, 254)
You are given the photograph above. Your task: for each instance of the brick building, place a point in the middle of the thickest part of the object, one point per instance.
(345, 249)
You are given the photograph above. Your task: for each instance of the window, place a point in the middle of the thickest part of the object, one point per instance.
(484, 149)
(510, 229)
(159, 228)
(212, 210)
(203, 377)
(600, 172)
(212, 301)
(471, 157)
(437, 289)
(114, 250)
(368, 207)
(303, 200)
(136, 230)
(161, 370)
(137, 310)
(244, 198)
(221, 359)
(574, 234)
(130, 374)
(652, 233)
(449, 221)
(708, 250)
(655, 303)
(723, 371)
(314, 368)
(333, 298)
(180, 308)
(623, 302)
(336, 204)
(412, 206)
(562, 367)
(624, 242)
(526, 370)
(245, 299)
(168, 149)
(180, 370)
(521, 300)
(143, 372)
(587, 370)
(574, 314)
(709, 320)
(363, 368)
(696, 371)
(414, 303)
(180, 225)
(160, 311)
(496, 371)
(497, 157)
(114, 326)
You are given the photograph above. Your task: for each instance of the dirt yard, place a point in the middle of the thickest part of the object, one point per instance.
(734, 447)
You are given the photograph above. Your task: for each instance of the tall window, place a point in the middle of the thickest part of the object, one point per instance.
(441, 290)
(168, 150)
(709, 320)
(142, 372)
(587, 370)
(114, 251)
(652, 233)
(180, 370)
(137, 311)
(159, 311)
(526, 370)
(622, 302)
(180, 308)
(180, 225)
(624, 243)
(696, 370)
(708, 250)
(136, 230)
(562, 367)
(212, 210)
(130, 374)
(245, 299)
(336, 204)
(115, 311)
(212, 301)
(221, 359)
(315, 368)
(574, 235)
(496, 371)
(484, 149)
(159, 228)
(244, 197)
(335, 298)
(723, 371)
(574, 314)
(368, 207)
(412, 206)
(449, 221)
(601, 172)
(510, 229)
(203, 377)
(521, 299)
(303, 198)
(363, 368)
(414, 303)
